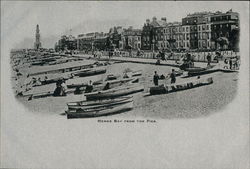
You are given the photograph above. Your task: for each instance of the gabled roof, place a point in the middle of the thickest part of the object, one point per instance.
(158, 23)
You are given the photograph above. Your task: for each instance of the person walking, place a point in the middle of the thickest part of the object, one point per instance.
(209, 58)
(173, 76)
(156, 79)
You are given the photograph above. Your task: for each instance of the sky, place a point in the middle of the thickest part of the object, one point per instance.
(55, 18)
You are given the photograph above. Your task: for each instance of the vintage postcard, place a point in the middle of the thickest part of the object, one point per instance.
(125, 84)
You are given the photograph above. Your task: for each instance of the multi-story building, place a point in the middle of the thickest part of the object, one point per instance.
(224, 26)
(173, 36)
(147, 35)
(100, 41)
(92, 41)
(130, 39)
(114, 38)
(153, 35)
(204, 32)
(85, 41)
(186, 36)
(67, 43)
(191, 25)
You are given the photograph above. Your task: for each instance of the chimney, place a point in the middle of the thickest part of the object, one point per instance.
(131, 27)
(154, 18)
(147, 21)
(164, 19)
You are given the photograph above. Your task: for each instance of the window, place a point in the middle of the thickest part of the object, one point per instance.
(186, 29)
(199, 28)
(207, 27)
(208, 44)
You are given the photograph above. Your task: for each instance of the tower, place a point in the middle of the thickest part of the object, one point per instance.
(37, 44)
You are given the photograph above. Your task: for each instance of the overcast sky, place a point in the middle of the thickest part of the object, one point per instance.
(19, 19)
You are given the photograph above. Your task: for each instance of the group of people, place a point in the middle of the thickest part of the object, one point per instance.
(234, 63)
(172, 76)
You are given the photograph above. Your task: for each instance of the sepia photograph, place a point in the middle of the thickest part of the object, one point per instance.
(126, 84)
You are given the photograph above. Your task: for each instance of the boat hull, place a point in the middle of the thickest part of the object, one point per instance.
(101, 112)
(90, 73)
(180, 86)
(96, 104)
(112, 93)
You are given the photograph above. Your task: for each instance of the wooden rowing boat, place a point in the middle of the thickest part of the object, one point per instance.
(131, 73)
(137, 73)
(163, 89)
(63, 70)
(103, 83)
(196, 71)
(92, 72)
(102, 111)
(99, 103)
(202, 72)
(116, 92)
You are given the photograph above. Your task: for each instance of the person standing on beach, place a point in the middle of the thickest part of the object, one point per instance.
(230, 63)
(173, 76)
(156, 78)
(209, 58)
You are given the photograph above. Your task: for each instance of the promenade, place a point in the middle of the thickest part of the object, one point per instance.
(171, 63)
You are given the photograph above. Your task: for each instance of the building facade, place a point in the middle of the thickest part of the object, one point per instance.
(204, 32)
(114, 38)
(197, 30)
(224, 26)
(130, 39)
(67, 43)
(153, 35)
